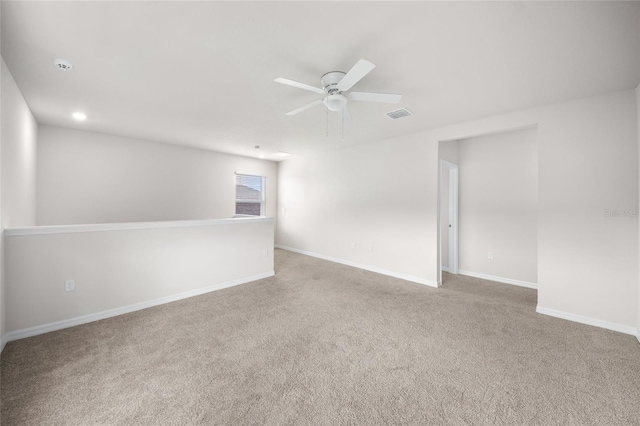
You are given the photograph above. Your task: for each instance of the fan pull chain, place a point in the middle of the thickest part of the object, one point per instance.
(327, 122)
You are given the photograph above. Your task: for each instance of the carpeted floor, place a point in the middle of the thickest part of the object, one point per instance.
(327, 344)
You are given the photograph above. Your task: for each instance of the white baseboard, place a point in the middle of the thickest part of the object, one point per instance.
(445, 269)
(499, 279)
(71, 322)
(361, 266)
(589, 321)
(638, 335)
(3, 341)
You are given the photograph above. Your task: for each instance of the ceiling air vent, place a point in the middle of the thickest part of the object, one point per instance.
(394, 115)
(63, 64)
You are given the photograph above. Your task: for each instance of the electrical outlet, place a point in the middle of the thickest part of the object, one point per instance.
(69, 285)
(284, 210)
(489, 255)
(286, 234)
(353, 245)
(370, 247)
(265, 253)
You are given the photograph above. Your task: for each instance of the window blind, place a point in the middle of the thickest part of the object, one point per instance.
(250, 195)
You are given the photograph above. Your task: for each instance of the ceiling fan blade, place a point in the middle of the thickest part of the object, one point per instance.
(346, 115)
(387, 98)
(355, 74)
(299, 85)
(304, 108)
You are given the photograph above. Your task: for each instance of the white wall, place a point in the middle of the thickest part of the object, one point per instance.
(498, 205)
(19, 135)
(386, 193)
(86, 177)
(638, 131)
(587, 164)
(115, 268)
(377, 196)
(18, 167)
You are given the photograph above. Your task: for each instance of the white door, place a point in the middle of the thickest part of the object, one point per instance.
(449, 221)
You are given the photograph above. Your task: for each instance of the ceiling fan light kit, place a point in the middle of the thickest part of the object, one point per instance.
(335, 84)
(335, 102)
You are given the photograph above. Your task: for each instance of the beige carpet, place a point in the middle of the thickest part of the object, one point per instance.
(326, 344)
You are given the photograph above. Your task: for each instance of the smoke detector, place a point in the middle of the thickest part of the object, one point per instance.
(63, 64)
(394, 115)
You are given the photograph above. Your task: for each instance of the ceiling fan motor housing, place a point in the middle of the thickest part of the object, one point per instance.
(330, 81)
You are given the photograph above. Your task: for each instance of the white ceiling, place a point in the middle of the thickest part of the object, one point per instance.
(201, 73)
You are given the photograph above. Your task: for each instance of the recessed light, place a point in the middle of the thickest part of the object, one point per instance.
(282, 154)
(79, 116)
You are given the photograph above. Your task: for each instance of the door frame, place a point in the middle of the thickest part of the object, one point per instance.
(453, 217)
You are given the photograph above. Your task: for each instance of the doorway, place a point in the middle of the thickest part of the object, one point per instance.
(448, 224)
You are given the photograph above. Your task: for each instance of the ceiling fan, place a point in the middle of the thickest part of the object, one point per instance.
(335, 84)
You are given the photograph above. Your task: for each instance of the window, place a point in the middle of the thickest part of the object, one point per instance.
(250, 195)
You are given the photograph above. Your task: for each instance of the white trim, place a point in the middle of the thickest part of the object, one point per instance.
(3, 342)
(361, 266)
(638, 335)
(65, 229)
(71, 322)
(586, 320)
(499, 279)
(445, 269)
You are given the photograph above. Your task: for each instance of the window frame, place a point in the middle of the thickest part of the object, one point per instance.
(263, 196)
